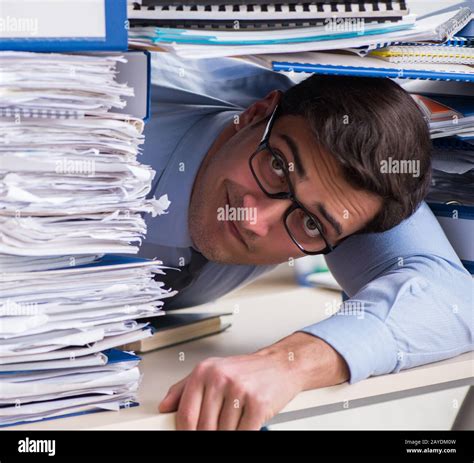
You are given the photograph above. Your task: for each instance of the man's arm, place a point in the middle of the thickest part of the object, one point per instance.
(410, 304)
(245, 391)
(410, 299)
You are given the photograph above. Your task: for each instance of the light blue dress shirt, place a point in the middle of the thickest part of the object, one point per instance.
(410, 299)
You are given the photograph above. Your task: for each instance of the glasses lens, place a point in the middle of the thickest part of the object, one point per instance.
(269, 169)
(305, 231)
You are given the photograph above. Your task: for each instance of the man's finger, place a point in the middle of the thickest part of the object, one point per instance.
(170, 402)
(251, 419)
(230, 413)
(210, 409)
(190, 404)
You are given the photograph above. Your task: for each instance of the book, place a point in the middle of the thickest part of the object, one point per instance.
(173, 329)
(434, 110)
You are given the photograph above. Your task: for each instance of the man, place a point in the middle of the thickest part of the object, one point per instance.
(308, 164)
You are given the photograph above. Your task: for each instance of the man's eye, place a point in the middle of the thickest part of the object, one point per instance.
(310, 227)
(277, 166)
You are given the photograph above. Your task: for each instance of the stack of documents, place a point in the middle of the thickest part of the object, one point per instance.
(72, 196)
(453, 172)
(320, 25)
(107, 381)
(70, 182)
(451, 196)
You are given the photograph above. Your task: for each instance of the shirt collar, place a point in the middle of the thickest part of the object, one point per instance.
(178, 178)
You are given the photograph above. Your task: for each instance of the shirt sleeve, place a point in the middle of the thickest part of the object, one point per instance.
(410, 299)
(217, 83)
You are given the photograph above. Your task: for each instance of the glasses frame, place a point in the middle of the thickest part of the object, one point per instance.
(296, 204)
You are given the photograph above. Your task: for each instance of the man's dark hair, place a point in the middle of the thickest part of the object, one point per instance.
(363, 122)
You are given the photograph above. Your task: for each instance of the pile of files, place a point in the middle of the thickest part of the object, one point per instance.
(445, 51)
(451, 195)
(213, 28)
(72, 195)
(453, 172)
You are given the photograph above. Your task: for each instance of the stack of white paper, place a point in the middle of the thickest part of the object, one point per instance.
(43, 312)
(31, 395)
(70, 182)
(72, 196)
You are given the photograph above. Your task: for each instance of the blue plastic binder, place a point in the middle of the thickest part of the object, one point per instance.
(114, 39)
(370, 72)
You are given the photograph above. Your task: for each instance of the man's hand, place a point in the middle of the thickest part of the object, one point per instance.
(245, 391)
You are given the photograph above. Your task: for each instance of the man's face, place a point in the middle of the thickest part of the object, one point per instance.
(233, 221)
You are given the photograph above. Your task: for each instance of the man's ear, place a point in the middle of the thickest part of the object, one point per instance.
(258, 111)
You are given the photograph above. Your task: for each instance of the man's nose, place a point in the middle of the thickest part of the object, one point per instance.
(263, 213)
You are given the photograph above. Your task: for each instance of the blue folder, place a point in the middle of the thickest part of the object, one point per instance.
(115, 39)
(113, 356)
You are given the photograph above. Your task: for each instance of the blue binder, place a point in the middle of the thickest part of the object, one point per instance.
(334, 70)
(115, 39)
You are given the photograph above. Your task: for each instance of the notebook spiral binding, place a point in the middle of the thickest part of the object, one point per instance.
(333, 4)
(427, 54)
(287, 9)
(453, 25)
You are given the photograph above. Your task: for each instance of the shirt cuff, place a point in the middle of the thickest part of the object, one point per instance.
(363, 340)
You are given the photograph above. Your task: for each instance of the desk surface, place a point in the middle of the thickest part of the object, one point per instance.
(263, 313)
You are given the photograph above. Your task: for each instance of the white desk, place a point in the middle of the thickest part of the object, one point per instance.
(267, 311)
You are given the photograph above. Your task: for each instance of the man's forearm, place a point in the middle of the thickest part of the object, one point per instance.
(312, 361)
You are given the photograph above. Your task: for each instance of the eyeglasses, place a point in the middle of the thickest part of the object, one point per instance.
(272, 174)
